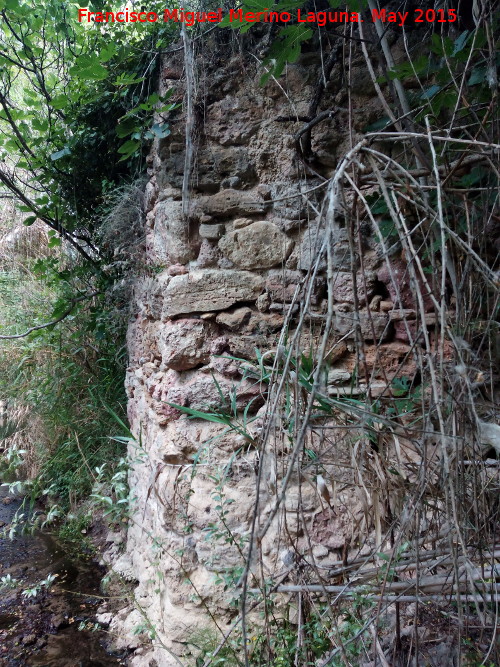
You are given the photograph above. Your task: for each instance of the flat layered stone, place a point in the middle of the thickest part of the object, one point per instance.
(208, 290)
(228, 203)
(338, 376)
(239, 223)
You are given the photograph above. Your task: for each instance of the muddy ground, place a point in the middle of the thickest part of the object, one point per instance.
(45, 630)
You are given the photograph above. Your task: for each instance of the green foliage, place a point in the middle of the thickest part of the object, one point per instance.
(438, 72)
(134, 124)
(65, 88)
(280, 646)
(205, 641)
(225, 413)
(144, 628)
(7, 582)
(287, 46)
(64, 91)
(286, 49)
(66, 378)
(73, 533)
(11, 461)
(111, 490)
(35, 590)
(387, 571)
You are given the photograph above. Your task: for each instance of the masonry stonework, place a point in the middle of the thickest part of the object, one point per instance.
(219, 284)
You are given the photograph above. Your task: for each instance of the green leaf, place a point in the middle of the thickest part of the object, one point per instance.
(107, 52)
(379, 124)
(59, 154)
(430, 92)
(285, 49)
(59, 102)
(446, 99)
(387, 228)
(476, 176)
(460, 42)
(437, 46)
(129, 148)
(198, 414)
(126, 127)
(478, 76)
(127, 79)
(30, 220)
(60, 308)
(153, 99)
(40, 125)
(400, 386)
(88, 68)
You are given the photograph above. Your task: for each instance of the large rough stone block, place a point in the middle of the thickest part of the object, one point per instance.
(216, 164)
(184, 344)
(208, 290)
(374, 326)
(401, 287)
(169, 239)
(258, 246)
(343, 287)
(281, 284)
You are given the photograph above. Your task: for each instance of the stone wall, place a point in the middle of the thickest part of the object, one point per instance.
(218, 286)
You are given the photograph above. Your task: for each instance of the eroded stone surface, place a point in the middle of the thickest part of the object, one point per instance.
(184, 344)
(233, 122)
(312, 241)
(281, 284)
(228, 203)
(343, 287)
(208, 255)
(169, 239)
(257, 246)
(233, 320)
(374, 326)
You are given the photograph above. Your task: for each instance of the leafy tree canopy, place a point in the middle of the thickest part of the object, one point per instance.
(64, 88)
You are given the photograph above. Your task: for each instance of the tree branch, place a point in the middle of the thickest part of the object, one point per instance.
(10, 120)
(53, 224)
(56, 321)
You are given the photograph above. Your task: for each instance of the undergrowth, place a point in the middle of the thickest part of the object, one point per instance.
(63, 385)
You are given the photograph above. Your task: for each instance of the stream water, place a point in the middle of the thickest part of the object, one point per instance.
(43, 630)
